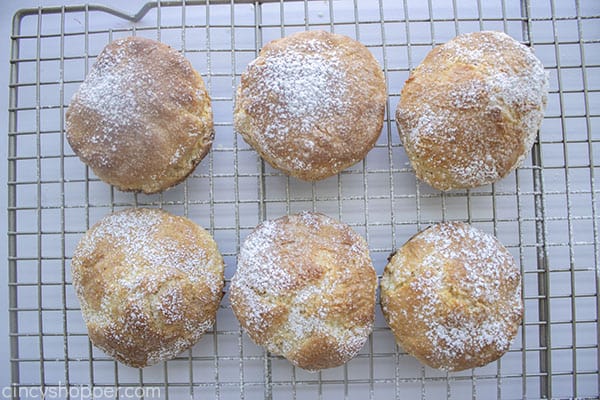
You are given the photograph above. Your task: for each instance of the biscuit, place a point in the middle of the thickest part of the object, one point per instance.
(452, 297)
(142, 118)
(305, 289)
(149, 284)
(311, 104)
(469, 113)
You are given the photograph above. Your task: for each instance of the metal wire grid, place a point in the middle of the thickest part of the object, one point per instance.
(546, 212)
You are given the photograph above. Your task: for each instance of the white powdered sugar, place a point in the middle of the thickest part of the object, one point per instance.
(467, 95)
(111, 94)
(110, 90)
(304, 85)
(267, 281)
(303, 324)
(260, 263)
(134, 234)
(460, 265)
(120, 226)
(311, 104)
(128, 111)
(295, 95)
(148, 276)
(489, 80)
(482, 257)
(429, 123)
(258, 273)
(521, 86)
(476, 170)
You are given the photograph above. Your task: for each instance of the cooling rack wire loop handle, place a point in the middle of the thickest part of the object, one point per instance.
(137, 17)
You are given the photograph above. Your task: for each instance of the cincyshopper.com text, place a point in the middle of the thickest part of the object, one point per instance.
(80, 392)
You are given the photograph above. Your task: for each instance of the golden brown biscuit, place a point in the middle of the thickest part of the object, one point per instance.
(311, 104)
(452, 297)
(142, 119)
(149, 284)
(305, 289)
(470, 112)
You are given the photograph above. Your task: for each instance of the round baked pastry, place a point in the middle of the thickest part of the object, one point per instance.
(305, 289)
(452, 297)
(141, 119)
(311, 104)
(149, 284)
(469, 114)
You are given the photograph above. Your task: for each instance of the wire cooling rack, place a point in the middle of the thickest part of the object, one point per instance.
(546, 212)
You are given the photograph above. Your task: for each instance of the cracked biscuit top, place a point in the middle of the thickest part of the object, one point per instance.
(452, 297)
(149, 284)
(304, 288)
(469, 113)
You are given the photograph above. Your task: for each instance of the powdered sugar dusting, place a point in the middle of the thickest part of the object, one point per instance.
(111, 91)
(311, 103)
(135, 235)
(261, 264)
(300, 88)
(504, 86)
(267, 282)
(306, 83)
(303, 324)
(141, 119)
(148, 272)
(482, 258)
(467, 293)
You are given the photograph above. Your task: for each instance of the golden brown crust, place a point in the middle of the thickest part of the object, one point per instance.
(142, 119)
(469, 113)
(312, 104)
(149, 284)
(452, 297)
(305, 289)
